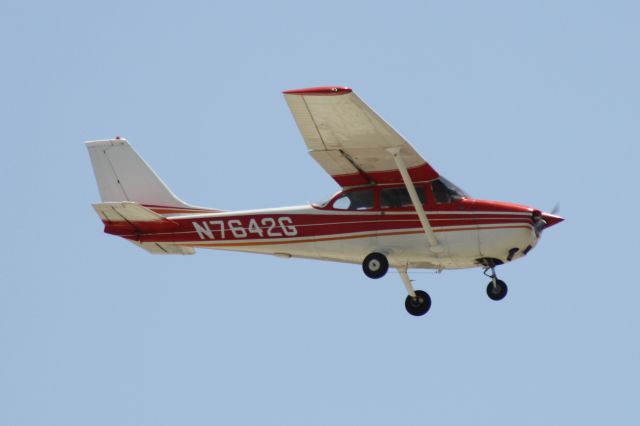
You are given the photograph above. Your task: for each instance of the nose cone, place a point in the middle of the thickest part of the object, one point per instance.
(551, 219)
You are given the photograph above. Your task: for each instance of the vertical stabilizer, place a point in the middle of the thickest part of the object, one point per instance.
(123, 175)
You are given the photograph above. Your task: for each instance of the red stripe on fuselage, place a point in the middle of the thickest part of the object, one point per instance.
(179, 210)
(273, 226)
(296, 240)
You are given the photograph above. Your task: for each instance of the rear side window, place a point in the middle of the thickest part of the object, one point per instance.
(355, 200)
(391, 198)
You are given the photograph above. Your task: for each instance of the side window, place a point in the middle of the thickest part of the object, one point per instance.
(399, 197)
(355, 200)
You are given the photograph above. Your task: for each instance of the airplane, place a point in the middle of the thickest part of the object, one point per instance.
(393, 209)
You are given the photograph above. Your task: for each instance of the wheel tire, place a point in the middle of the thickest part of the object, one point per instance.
(497, 293)
(375, 265)
(419, 305)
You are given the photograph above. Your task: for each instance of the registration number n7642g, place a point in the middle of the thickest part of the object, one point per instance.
(235, 228)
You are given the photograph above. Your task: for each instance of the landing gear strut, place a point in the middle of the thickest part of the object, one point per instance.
(496, 289)
(417, 302)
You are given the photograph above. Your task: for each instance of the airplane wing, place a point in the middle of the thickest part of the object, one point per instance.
(349, 140)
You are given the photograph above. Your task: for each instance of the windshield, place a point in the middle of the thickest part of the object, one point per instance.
(446, 192)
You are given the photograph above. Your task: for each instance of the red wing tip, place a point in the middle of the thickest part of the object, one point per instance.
(320, 91)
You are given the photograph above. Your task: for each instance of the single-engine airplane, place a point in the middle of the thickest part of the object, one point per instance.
(394, 209)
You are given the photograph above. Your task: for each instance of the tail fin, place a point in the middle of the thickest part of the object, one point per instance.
(123, 175)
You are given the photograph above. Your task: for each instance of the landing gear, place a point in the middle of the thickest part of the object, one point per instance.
(417, 302)
(418, 305)
(496, 289)
(375, 265)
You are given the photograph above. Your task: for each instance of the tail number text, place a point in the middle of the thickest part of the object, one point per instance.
(234, 228)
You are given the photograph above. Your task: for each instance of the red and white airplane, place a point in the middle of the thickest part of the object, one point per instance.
(394, 209)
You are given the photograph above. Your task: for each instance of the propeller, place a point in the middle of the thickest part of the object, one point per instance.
(543, 220)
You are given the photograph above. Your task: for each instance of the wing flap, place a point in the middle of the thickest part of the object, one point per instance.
(334, 162)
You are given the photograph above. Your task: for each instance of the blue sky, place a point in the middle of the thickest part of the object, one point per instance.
(531, 102)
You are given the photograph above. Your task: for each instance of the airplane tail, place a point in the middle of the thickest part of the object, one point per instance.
(122, 175)
(135, 201)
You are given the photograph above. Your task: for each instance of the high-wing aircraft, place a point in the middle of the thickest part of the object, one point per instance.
(394, 209)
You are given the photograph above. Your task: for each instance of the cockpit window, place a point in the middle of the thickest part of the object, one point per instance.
(446, 192)
(398, 197)
(355, 200)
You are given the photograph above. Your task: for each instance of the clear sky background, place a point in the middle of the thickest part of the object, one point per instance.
(535, 102)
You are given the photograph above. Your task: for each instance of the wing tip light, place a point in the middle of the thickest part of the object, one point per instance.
(320, 91)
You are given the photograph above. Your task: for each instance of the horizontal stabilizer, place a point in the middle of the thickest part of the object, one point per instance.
(126, 211)
(164, 248)
(126, 217)
(132, 221)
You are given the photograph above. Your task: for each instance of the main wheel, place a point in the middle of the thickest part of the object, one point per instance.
(418, 305)
(375, 265)
(498, 291)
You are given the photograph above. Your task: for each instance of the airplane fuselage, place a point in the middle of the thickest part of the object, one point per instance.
(467, 229)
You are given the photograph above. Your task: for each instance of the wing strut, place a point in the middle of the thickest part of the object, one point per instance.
(402, 168)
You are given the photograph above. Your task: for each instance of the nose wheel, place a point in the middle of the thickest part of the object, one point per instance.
(497, 290)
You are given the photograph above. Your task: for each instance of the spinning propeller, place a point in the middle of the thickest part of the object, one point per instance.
(543, 220)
